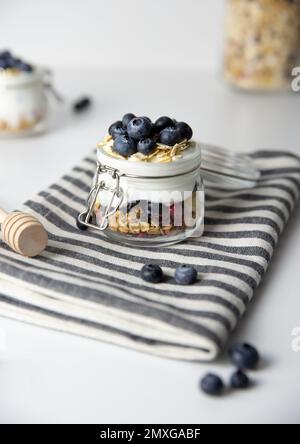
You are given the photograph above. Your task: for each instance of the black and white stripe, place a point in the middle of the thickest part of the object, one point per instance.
(86, 284)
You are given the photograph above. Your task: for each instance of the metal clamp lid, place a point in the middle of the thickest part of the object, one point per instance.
(84, 218)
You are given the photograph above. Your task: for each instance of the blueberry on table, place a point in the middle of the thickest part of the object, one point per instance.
(146, 146)
(126, 119)
(239, 380)
(152, 273)
(117, 129)
(186, 130)
(162, 123)
(139, 128)
(244, 356)
(212, 384)
(185, 275)
(124, 145)
(170, 136)
(82, 104)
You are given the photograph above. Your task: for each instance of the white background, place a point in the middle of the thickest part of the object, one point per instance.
(158, 57)
(132, 33)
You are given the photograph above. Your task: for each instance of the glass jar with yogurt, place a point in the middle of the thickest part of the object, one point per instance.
(23, 102)
(147, 203)
(148, 187)
(24, 105)
(262, 43)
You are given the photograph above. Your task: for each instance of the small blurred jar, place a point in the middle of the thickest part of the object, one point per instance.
(23, 102)
(262, 43)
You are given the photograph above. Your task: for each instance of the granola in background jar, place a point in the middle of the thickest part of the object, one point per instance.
(262, 43)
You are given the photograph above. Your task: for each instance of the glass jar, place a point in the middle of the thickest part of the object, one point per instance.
(262, 43)
(23, 102)
(140, 203)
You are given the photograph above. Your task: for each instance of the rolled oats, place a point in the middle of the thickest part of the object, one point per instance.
(161, 154)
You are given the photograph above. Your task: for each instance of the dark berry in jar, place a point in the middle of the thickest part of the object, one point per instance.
(170, 136)
(244, 356)
(124, 145)
(212, 384)
(117, 129)
(131, 205)
(162, 123)
(185, 129)
(126, 119)
(146, 146)
(185, 275)
(152, 273)
(239, 380)
(139, 128)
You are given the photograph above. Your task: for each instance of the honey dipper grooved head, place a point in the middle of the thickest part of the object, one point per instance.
(24, 234)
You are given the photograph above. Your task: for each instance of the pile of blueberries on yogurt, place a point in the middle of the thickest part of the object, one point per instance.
(9, 61)
(242, 355)
(139, 134)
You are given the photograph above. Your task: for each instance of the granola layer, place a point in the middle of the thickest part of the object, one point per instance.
(23, 125)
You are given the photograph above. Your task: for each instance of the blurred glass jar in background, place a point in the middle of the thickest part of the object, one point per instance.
(23, 102)
(262, 43)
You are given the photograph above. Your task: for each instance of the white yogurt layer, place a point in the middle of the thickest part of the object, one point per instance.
(156, 182)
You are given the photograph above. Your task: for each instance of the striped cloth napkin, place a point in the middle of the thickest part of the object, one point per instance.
(88, 285)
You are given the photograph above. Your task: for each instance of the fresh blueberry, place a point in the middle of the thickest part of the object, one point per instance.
(170, 136)
(152, 273)
(26, 67)
(162, 123)
(3, 64)
(185, 275)
(117, 129)
(155, 136)
(244, 356)
(186, 130)
(239, 380)
(212, 384)
(7, 62)
(147, 118)
(5, 55)
(146, 146)
(81, 104)
(126, 119)
(124, 145)
(139, 128)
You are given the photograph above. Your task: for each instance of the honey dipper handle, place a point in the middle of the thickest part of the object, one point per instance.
(3, 216)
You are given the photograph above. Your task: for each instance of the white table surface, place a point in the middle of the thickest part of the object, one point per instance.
(48, 376)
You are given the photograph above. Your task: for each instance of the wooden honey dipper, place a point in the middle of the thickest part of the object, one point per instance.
(23, 233)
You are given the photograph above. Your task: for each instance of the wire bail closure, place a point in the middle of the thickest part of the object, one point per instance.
(48, 84)
(84, 218)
